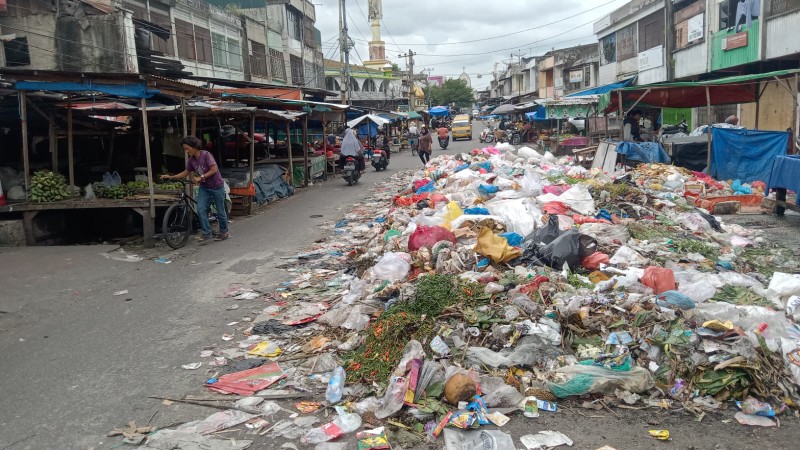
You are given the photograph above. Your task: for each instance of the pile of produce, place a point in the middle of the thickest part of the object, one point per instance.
(48, 187)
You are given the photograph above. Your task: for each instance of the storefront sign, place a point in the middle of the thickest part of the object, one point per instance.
(576, 76)
(695, 28)
(650, 59)
(733, 41)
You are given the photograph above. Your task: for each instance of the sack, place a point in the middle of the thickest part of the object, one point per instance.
(495, 247)
(587, 379)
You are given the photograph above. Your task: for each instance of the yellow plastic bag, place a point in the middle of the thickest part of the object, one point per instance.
(265, 349)
(451, 212)
(495, 247)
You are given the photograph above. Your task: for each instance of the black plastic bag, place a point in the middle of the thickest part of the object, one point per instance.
(548, 233)
(571, 247)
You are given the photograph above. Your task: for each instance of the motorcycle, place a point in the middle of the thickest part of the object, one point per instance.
(379, 160)
(513, 136)
(444, 142)
(487, 135)
(350, 171)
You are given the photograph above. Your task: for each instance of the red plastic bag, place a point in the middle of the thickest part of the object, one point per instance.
(435, 199)
(419, 183)
(593, 261)
(425, 236)
(556, 208)
(556, 189)
(580, 220)
(659, 279)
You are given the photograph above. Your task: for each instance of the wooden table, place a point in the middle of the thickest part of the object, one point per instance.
(141, 206)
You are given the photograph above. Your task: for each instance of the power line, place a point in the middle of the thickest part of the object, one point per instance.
(515, 32)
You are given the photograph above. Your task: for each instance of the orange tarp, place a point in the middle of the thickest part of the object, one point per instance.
(283, 94)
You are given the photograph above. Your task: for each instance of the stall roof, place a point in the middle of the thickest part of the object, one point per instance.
(207, 107)
(380, 121)
(603, 89)
(290, 104)
(723, 91)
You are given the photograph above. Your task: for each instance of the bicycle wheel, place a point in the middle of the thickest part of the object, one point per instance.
(177, 225)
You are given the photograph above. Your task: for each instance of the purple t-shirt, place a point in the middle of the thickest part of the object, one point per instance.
(201, 164)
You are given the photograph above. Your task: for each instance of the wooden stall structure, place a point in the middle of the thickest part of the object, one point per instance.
(57, 97)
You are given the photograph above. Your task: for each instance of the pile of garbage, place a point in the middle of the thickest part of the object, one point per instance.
(507, 281)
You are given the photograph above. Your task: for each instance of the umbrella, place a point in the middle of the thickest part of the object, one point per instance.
(504, 109)
(378, 120)
(439, 111)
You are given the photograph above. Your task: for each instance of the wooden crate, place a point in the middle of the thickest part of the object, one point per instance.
(242, 205)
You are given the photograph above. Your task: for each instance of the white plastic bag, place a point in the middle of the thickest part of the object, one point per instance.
(392, 267)
(629, 256)
(357, 291)
(521, 214)
(531, 184)
(89, 193)
(785, 285)
(605, 233)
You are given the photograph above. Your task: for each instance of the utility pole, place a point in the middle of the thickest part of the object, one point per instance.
(410, 56)
(344, 46)
(343, 85)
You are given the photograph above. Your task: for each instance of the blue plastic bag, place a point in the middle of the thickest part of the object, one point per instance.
(514, 239)
(462, 167)
(476, 211)
(674, 299)
(487, 189)
(486, 165)
(426, 188)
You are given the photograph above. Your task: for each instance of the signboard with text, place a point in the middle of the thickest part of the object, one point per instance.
(650, 59)
(576, 76)
(695, 28)
(734, 41)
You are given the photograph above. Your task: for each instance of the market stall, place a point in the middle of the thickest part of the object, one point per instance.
(51, 95)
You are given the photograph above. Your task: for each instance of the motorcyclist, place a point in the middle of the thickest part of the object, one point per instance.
(382, 143)
(443, 133)
(352, 147)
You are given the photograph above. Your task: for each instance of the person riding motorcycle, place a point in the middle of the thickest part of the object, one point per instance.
(352, 147)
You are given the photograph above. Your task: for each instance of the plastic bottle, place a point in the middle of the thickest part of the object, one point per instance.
(344, 424)
(335, 386)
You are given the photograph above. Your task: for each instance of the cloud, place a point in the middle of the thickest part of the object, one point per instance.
(436, 31)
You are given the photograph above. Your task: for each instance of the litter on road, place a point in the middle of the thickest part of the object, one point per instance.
(494, 285)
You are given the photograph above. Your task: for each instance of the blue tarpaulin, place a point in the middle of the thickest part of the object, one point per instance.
(120, 90)
(785, 174)
(745, 155)
(646, 152)
(439, 111)
(602, 89)
(540, 114)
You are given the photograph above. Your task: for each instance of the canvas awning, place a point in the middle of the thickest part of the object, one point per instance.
(504, 109)
(722, 91)
(378, 120)
(437, 111)
(603, 89)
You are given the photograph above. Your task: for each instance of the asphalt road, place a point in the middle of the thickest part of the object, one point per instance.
(78, 361)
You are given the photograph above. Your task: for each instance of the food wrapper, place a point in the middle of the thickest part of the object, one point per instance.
(375, 439)
(661, 435)
(265, 349)
(498, 418)
(478, 406)
(463, 419)
(413, 380)
(443, 423)
(307, 407)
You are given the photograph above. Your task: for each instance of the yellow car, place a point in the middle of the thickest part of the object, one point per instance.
(462, 127)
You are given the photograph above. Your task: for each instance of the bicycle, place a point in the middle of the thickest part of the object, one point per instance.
(179, 220)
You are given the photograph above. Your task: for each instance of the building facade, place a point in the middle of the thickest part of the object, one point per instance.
(275, 44)
(367, 88)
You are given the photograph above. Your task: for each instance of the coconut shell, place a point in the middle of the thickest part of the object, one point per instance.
(459, 388)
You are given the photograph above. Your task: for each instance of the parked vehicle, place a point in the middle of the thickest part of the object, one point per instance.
(379, 160)
(487, 135)
(462, 127)
(350, 172)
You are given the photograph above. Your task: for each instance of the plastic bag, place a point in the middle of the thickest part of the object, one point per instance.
(512, 238)
(356, 291)
(673, 300)
(606, 234)
(785, 285)
(425, 236)
(531, 185)
(487, 189)
(498, 394)
(487, 357)
(452, 212)
(89, 192)
(529, 153)
(698, 286)
(495, 247)
(593, 261)
(413, 350)
(476, 211)
(548, 233)
(628, 256)
(658, 279)
(393, 400)
(570, 248)
(521, 214)
(584, 379)
(356, 320)
(392, 266)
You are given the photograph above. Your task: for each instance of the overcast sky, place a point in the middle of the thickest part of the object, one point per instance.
(436, 31)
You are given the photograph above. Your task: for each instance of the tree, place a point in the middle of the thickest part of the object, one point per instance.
(453, 91)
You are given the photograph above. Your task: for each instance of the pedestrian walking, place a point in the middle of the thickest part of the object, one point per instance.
(203, 170)
(425, 145)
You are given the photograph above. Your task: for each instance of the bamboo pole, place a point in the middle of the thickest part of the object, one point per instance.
(70, 146)
(289, 150)
(53, 137)
(252, 145)
(23, 115)
(146, 131)
(305, 150)
(708, 132)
